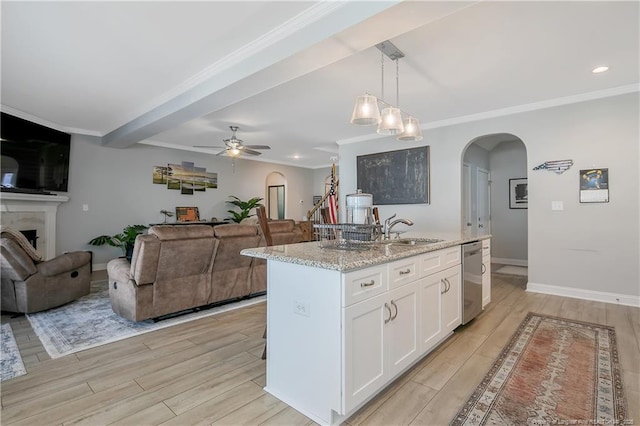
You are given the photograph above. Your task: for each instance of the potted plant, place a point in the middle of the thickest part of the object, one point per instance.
(245, 208)
(125, 240)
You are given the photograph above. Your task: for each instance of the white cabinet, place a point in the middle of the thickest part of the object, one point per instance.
(381, 340)
(451, 299)
(486, 272)
(336, 339)
(431, 305)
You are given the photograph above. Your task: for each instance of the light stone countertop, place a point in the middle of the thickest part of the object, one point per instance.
(313, 253)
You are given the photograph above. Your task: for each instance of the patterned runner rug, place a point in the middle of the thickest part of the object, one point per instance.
(90, 321)
(11, 363)
(552, 371)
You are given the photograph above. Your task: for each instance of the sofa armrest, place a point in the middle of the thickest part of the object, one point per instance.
(64, 263)
(119, 270)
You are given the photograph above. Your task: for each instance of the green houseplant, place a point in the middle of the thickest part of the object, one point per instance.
(245, 208)
(124, 240)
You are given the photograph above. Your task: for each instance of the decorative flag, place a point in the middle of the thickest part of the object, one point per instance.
(333, 198)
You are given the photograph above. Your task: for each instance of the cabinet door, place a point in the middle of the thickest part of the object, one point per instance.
(364, 370)
(451, 303)
(402, 341)
(431, 315)
(486, 273)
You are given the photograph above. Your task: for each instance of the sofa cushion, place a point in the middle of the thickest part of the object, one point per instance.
(181, 232)
(277, 226)
(235, 230)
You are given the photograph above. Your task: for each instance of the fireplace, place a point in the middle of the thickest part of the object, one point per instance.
(33, 212)
(32, 236)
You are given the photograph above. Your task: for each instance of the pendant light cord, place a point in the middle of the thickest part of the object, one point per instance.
(382, 74)
(397, 84)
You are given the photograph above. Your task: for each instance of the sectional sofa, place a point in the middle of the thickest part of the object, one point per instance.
(175, 268)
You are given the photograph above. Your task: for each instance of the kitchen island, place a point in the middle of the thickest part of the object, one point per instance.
(343, 324)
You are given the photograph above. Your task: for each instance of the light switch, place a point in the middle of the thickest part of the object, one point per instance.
(301, 307)
(557, 205)
(85, 207)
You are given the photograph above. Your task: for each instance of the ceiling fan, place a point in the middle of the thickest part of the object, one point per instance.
(234, 146)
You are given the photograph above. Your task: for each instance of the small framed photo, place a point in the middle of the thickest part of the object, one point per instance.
(187, 214)
(518, 193)
(594, 186)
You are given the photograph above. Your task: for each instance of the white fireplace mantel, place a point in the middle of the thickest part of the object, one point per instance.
(17, 203)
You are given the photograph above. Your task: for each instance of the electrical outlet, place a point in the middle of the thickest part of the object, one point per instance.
(557, 205)
(301, 307)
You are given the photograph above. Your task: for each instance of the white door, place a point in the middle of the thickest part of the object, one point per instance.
(467, 218)
(483, 202)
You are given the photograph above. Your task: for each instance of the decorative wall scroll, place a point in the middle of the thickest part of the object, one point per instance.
(558, 166)
(185, 177)
(594, 186)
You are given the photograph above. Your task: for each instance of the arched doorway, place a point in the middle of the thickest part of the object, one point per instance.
(492, 165)
(276, 186)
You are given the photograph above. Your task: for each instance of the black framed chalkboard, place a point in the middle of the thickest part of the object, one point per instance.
(395, 177)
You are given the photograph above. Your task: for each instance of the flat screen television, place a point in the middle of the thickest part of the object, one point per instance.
(35, 158)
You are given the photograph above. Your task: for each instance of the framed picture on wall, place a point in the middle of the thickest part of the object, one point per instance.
(594, 186)
(187, 214)
(518, 193)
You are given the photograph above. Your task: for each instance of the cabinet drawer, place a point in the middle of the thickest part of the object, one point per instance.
(403, 271)
(364, 283)
(439, 260)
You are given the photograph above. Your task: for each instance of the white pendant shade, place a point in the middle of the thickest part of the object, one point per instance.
(390, 122)
(365, 111)
(412, 131)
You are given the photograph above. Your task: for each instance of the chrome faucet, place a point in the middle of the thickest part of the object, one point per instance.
(388, 225)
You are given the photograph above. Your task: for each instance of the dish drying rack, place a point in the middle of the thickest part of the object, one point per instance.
(346, 236)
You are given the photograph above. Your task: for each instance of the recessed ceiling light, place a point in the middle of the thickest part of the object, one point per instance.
(598, 70)
(296, 156)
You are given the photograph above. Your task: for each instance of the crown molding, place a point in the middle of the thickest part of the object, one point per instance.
(50, 124)
(567, 100)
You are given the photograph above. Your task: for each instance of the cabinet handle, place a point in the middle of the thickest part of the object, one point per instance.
(406, 271)
(484, 268)
(395, 306)
(369, 284)
(446, 280)
(445, 286)
(386, 321)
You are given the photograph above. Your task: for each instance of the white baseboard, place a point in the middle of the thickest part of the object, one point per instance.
(505, 261)
(580, 293)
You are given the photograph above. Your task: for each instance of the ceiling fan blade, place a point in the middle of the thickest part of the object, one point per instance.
(207, 146)
(245, 150)
(257, 146)
(223, 152)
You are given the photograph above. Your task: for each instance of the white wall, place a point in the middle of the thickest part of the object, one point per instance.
(117, 186)
(585, 246)
(508, 160)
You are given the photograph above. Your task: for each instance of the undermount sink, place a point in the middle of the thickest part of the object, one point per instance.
(412, 241)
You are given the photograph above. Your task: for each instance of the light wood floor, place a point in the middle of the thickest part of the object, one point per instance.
(209, 371)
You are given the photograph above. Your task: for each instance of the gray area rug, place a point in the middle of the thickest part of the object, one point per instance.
(11, 362)
(89, 322)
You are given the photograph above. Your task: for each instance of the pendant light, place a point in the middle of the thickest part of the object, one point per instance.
(391, 117)
(390, 121)
(366, 112)
(412, 131)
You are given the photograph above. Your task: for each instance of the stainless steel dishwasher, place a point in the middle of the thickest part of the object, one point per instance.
(471, 280)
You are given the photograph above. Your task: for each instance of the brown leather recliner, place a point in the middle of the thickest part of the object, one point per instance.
(231, 273)
(31, 285)
(170, 271)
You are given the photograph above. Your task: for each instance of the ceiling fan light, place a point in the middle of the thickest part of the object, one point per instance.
(233, 152)
(412, 131)
(390, 122)
(365, 111)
